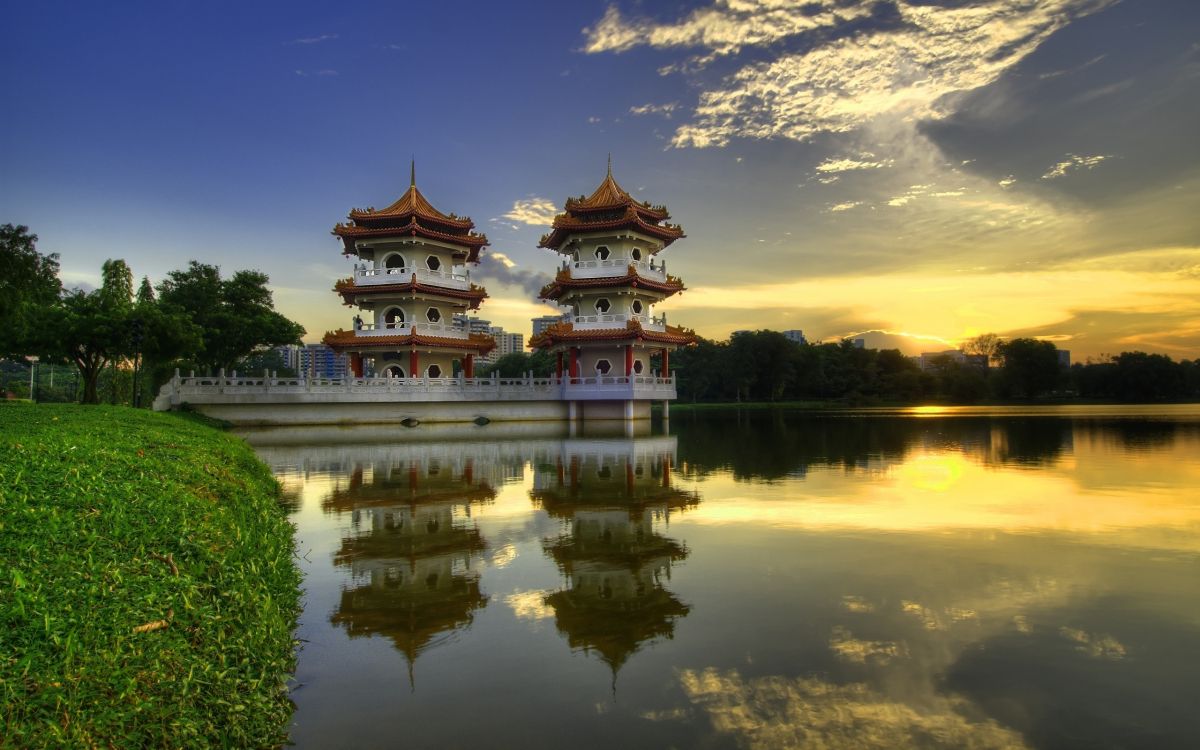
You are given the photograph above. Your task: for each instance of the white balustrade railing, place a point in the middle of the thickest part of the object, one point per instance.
(268, 388)
(445, 330)
(598, 269)
(449, 279)
(616, 320)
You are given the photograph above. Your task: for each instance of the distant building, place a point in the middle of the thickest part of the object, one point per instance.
(795, 335)
(542, 323)
(508, 343)
(320, 361)
(1064, 358)
(927, 360)
(859, 343)
(290, 354)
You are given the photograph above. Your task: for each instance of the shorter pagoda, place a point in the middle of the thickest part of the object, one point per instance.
(610, 280)
(412, 283)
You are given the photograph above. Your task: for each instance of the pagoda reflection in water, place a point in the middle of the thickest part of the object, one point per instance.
(414, 550)
(612, 494)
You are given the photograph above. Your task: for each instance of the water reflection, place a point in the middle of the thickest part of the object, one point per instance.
(866, 580)
(411, 548)
(613, 496)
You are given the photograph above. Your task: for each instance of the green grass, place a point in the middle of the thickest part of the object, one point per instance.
(112, 521)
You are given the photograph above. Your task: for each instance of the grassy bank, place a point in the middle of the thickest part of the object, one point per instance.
(148, 590)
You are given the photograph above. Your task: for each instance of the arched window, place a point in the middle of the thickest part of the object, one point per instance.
(603, 367)
(433, 372)
(638, 366)
(602, 253)
(393, 318)
(636, 254)
(433, 315)
(603, 305)
(637, 307)
(395, 260)
(433, 263)
(394, 371)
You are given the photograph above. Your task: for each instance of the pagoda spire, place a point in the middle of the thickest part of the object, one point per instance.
(412, 172)
(610, 165)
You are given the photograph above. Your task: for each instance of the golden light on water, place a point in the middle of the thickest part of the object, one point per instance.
(932, 490)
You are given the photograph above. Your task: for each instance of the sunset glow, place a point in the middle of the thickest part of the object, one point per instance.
(912, 172)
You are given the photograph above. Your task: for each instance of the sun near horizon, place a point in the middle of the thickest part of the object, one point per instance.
(912, 173)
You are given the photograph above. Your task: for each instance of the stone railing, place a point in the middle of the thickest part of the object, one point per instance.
(598, 269)
(269, 389)
(616, 320)
(449, 279)
(444, 330)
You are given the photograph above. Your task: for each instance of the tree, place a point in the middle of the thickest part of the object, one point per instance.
(1030, 366)
(28, 286)
(92, 329)
(236, 316)
(986, 344)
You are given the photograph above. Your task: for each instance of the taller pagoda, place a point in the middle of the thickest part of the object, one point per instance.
(412, 283)
(610, 280)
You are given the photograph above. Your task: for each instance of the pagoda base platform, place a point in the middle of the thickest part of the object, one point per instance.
(265, 401)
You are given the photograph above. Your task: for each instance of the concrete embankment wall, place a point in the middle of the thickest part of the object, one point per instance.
(316, 413)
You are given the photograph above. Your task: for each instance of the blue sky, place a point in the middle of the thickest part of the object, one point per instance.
(934, 168)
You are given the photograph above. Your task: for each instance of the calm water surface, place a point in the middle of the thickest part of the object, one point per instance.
(923, 578)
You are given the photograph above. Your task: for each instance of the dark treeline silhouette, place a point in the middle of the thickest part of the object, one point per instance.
(764, 366)
(771, 444)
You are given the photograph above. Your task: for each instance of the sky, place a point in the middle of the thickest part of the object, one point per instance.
(914, 172)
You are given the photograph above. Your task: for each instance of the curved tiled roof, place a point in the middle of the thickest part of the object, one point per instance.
(348, 289)
(610, 207)
(633, 331)
(563, 282)
(412, 215)
(342, 340)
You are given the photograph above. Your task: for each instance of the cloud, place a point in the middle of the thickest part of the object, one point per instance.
(666, 110)
(535, 211)
(780, 711)
(1072, 163)
(866, 161)
(906, 65)
(324, 72)
(314, 39)
(498, 266)
(838, 207)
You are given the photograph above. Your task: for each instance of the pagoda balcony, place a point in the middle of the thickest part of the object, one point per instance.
(445, 330)
(599, 269)
(615, 320)
(449, 279)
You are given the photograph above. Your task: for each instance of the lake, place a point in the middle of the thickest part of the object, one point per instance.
(938, 577)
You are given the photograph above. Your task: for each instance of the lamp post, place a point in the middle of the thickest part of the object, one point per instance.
(136, 337)
(32, 382)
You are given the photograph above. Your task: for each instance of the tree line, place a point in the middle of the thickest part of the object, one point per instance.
(765, 366)
(193, 319)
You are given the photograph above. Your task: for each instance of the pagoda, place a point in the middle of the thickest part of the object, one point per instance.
(413, 552)
(410, 285)
(614, 496)
(610, 280)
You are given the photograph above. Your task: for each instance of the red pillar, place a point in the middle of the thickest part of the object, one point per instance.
(469, 366)
(666, 363)
(558, 370)
(574, 362)
(356, 365)
(628, 360)
(414, 364)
